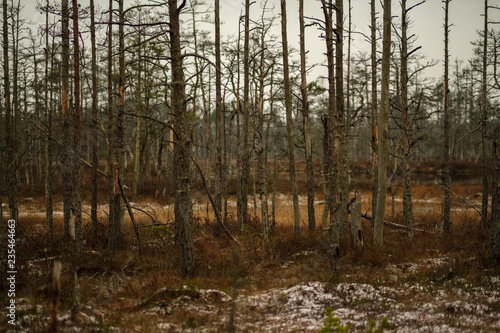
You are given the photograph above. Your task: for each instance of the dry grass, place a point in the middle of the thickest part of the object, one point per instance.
(123, 282)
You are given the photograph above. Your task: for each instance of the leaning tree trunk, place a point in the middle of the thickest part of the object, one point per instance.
(289, 123)
(183, 208)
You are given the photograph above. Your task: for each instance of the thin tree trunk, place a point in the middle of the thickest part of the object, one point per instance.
(261, 144)
(77, 136)
(245, 147)
(138, 123)
(289, 123)
(95, 161)
(407, 193)
(219, 126)
(183, 208)
(112, 161)
(48, 120)
(374, 120)
(484, 130)
(383, 147)
(66, 158)
(446, 167)
(311, 216)
(495, 200)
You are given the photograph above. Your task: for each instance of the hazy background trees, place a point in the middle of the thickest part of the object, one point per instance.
(240, 102)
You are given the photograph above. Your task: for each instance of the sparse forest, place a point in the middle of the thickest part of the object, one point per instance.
(167, 167)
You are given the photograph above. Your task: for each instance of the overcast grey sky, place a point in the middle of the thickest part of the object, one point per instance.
(465, 15)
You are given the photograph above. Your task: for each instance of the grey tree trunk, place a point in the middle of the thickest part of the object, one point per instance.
(383, 147)
(95, 161)
(445, 227)
(356, 226)
(311, 216)
(495, 200)
(66, 156)
(406, 126)
(245, 147)
(289, 123)
(77, 172)
(48, 145)
(374, 106)
(219, 128)
(183, 208)
(484, 130)
(260, 139)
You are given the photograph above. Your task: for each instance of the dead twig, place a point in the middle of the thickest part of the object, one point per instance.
(217, 213)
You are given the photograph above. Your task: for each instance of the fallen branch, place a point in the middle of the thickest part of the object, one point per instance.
(217, 213)
(465, 201)
(131, 214)
(391, 224)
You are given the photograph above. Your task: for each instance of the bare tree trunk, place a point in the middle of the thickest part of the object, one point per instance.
(289, 123)
(484, 130)
(95, 161)
(356, 227)
(114, 219)
(245, 158)
(48, 145)
(219, 126)
(138, 122)
(311, 216)
(495, 200)
(446, 167)
(407, 193)
(66, 159)
(374, 120)
(260, 138)
(383, 147)
(183, 208)
(77, 136)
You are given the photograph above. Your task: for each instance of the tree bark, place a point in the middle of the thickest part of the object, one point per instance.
(495, 200)
(219, 128)
(183, 209)
(260, 147)
(406, 126)
(77, 136)
(374, 106)
(311, 216)
(383, 147)
(245, 158)
(445, 227)
(48, 120)
(484, 130)
(95, 161)
(66, 115)
(289, 123)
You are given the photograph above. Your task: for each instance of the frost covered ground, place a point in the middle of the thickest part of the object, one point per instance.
(426, 296)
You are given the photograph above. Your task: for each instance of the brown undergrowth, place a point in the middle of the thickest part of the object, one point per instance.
(127, 281)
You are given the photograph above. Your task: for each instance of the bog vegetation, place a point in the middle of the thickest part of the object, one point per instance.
(167, 176)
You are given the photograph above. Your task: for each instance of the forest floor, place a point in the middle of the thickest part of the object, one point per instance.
(431, 283)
